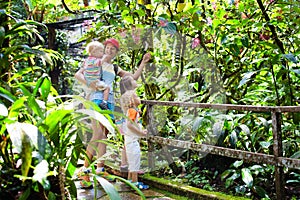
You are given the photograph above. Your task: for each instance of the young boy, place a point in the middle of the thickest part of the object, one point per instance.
(93, 72)
(129, 103)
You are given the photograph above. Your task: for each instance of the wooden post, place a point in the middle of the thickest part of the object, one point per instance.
(151, 132)
(277, 148)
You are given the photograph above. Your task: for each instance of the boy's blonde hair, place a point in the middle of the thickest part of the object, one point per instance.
(93, 47)
(127, 100)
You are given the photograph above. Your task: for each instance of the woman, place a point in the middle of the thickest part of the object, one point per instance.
(99, 131)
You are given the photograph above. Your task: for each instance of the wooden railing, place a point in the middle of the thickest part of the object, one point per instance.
(276, 159)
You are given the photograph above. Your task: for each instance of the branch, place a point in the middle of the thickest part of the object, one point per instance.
(67, 8)
(79, 11)
(180, 70)
(272, 28)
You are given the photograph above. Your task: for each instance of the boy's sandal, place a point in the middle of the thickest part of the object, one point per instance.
(141, 186)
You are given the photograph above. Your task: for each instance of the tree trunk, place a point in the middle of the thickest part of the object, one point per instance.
(55, 71)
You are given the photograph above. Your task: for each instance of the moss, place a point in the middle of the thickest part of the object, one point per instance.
(187, 191)
(171, 195)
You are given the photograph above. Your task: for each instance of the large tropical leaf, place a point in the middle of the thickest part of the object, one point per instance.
(247, 177)
(99, 117)
(109, 188)
(3, 110)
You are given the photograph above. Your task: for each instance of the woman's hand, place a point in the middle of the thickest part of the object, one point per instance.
(146, 58)
(138, 72)
(93, 85)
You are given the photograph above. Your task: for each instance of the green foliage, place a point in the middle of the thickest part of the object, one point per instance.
(42, 133)
(248, 179)
(38, 138)
(21, 46)
(109, 188)
(198, 177)
(239, 52)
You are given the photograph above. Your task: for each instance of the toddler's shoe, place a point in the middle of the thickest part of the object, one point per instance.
(84, 175)
(101, 85)
(103, 106)
(100, 170)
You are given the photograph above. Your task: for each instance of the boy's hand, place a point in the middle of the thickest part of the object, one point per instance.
(145, 132)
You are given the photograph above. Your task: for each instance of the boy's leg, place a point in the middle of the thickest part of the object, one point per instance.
(124, 163)
(129, 176)
(134, 177)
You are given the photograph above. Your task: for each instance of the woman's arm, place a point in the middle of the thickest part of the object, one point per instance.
(145, 60)
(80, 77)
(138, 72)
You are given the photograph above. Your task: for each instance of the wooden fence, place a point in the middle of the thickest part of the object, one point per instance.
(276, 159)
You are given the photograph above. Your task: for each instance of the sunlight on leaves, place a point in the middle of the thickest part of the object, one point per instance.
(99, 117)
(246, 78)
(15, 131)
(3, 110)
(237, 163)
(247, 177)
(41, 172)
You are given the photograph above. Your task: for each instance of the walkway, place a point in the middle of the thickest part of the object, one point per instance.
(125, 192)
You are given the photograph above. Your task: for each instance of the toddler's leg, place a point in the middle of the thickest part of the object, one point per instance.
(105, 93)
(103, 105)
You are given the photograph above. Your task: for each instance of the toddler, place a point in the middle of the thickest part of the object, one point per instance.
(93, 69)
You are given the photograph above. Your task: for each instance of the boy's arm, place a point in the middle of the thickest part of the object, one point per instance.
(135, 129)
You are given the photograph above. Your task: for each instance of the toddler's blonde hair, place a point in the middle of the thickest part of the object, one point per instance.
(127, 100)
(126, 83)
(93, 47)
